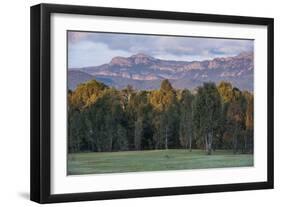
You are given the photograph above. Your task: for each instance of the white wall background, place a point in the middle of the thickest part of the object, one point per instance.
(14, 102)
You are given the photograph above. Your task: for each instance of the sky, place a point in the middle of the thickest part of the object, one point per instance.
(93, 49)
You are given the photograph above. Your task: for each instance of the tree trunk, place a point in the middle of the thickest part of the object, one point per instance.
(166, 138)
(245, 144)
(235, 141)
(190, 143)
(77, 145)
(210, 140)
(206, 143)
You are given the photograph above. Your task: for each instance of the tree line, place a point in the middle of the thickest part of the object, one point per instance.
(104, 119)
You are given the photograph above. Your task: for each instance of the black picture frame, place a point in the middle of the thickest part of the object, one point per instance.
(41, 99)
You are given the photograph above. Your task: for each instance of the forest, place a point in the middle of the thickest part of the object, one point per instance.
(211, 117)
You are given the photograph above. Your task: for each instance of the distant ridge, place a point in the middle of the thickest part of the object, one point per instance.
(145, 72)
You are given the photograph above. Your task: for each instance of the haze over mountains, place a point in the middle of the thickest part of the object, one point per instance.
(144, 72)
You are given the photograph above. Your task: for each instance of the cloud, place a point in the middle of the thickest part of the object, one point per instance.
(77, 36)
(88, 53)
(178, 48)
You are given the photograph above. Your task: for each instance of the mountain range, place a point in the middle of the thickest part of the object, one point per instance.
(145, 72)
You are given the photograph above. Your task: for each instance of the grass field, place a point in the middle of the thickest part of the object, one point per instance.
(153, 160)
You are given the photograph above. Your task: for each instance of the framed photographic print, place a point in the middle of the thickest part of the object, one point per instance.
(133, 103)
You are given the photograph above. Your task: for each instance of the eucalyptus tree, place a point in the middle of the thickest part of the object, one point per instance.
(185, 122)
(206, 116)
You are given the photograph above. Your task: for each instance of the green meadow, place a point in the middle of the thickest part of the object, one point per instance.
(153, 160)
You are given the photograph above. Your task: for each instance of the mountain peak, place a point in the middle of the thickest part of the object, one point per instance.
(245, 55)
(121, 61)
(141, 55)
(141, 58)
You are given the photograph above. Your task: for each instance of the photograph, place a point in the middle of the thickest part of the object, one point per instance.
(133, 103)
(150, 102)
